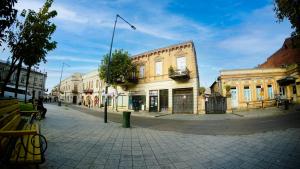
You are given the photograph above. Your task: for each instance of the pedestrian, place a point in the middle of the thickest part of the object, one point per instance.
(41, 108)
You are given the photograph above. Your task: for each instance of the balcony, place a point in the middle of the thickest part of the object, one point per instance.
(75, 91)
(88, 91)
(126, 82)
(180, 75)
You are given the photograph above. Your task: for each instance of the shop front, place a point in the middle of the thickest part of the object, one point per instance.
(137, 100)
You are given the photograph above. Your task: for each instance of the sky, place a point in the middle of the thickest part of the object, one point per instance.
(229, 34)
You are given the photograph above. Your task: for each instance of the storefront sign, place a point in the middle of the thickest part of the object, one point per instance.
(153, 93)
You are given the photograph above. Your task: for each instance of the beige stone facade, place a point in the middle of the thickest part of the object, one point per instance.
(167, 77)
(159, 88)
(70, 89)
(92, 88)
(259, 87)
(36, 84)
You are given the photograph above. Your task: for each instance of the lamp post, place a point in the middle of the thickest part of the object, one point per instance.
(62, 69)
(108, 64)
(35, 68)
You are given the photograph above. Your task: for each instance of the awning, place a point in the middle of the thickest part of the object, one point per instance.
(286, 81)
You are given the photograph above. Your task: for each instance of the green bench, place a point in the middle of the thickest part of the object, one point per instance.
(20, 139)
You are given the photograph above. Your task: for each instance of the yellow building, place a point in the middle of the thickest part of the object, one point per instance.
(70, 89)
(167, 80)
(253, 88)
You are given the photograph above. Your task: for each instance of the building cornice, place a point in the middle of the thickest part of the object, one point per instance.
(164, 49)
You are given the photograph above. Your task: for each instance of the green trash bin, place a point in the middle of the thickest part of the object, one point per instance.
(126, 119)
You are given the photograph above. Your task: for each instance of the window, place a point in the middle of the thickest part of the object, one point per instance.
(109, 100)
(270, 92)
(282, 90)
(22, 79)
(142, 71)
(247, 94)
(158, 68)
(258, 93)
(122, 101)
(97, 83)
(181, 63)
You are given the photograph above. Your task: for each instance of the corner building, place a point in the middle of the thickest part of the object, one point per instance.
(167, 80)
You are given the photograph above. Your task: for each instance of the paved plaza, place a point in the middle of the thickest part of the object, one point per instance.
(79, 140)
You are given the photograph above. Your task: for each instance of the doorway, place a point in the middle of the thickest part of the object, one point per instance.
(183, 101)
(153, 105)
(74, 99)
(234, 99)
(163, 100)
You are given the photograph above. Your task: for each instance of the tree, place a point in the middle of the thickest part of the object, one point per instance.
(289, 9)
(7, 17)
(31, 41)
(201, 91)
(122, 71)
(40, 38)
(15, 43)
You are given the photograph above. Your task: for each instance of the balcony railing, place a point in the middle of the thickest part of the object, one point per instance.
(122, 81)
(75, 91)
(178, 74)
(88, 91)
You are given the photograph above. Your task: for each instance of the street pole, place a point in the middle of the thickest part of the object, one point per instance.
(108, 64)
(62, 69)
(33, 92)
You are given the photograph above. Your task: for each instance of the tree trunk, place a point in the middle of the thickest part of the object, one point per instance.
(18, 77)
(116, 98)
(12, 68)
(27, 82)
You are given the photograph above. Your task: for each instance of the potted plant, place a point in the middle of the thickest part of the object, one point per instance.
(171, 71)
(227, 88)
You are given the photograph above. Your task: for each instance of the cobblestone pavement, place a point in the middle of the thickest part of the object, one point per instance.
(214, 124)
(79, 140)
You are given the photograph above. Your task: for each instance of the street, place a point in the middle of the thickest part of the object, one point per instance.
(81, 140)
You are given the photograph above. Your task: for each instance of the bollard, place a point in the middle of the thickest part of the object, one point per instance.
(59, 103)
(126, 119)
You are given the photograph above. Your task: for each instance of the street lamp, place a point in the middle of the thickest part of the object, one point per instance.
(107, 69)
(62, 69)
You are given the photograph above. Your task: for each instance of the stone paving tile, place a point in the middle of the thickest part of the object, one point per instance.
(77, 140)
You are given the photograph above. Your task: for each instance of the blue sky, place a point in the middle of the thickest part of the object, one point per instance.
(227, 34)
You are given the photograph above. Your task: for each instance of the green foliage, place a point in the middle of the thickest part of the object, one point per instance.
(201, 90)
(26, 106)
(7, 17)
(227, 88)
(171, 70)
(37, 34)
(289, 9)
(121, 68)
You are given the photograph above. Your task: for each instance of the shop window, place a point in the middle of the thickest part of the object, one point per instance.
(247, 94)
(294, 90)
(122, 101)
(109, 101)
(282, 90)
(270, 92)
